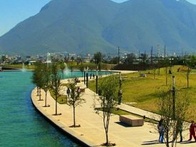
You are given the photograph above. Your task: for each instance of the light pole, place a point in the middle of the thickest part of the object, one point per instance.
(84, 75)
(120, 80)
(174, 96)
(118, 55)
(120, 89)
(87, 77)
(97, 80)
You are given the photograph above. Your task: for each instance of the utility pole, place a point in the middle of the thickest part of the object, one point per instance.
(151, 54)
(173, 97)
(84, 76)
(120, 89)
(87, 79)
(165, 51)
(97, 80)
(118, 55)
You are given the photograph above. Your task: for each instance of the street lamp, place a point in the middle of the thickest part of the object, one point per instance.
(120, 80)
(173, 96)
(87, 77)
(84, 75)
(97, 80)
(120, 89)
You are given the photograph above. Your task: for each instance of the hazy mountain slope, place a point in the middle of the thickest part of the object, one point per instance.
(62, 25)
(148, 23)
(87, 26)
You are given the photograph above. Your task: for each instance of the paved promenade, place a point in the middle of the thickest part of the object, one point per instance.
(91, 130)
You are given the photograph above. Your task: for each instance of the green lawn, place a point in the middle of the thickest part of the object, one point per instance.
(62, 99)
(144, 91)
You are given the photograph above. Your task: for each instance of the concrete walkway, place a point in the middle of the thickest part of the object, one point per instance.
(91, 131)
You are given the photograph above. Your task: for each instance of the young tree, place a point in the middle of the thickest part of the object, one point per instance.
(37, 78)
(173, 113)
(46, 79)
(130, 58)
(166, 64)
(98, 57)
(41, 77)
(74, 100)
(187, 76)
(56, 83)
(109, 99)
(189, 63)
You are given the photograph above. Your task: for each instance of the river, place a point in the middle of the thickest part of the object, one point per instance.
(20, 124)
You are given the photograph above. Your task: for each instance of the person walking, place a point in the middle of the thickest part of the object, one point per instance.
(179, 129)
(68, 92)
(192, 131)
(161, 130)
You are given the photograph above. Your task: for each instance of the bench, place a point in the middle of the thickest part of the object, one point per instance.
(82, 89)
(131, 120)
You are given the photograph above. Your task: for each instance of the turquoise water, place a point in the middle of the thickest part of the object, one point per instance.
(69, 74)
(20, 124)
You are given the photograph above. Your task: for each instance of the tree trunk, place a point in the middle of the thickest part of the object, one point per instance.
(37, 91)
(106, 126)
(40, 94)
(107, 138)
(46, 98)
(74, 114)
(56, 105)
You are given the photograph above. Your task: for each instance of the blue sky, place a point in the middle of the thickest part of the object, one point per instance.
(14, 11)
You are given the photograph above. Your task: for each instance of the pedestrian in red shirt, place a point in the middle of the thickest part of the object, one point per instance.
(192, 130)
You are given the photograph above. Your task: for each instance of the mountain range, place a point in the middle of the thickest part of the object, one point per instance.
(89, 26)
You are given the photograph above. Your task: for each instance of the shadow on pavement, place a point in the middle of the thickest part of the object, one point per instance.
(150, 142)
(123, 124)
(187, 142)
(157, 142)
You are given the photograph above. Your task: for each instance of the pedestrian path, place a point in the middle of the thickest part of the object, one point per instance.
(140, 112)
(91, 131)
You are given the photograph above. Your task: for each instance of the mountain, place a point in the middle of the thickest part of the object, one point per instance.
(88, 26)
(145, 23)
